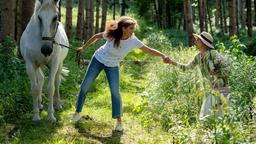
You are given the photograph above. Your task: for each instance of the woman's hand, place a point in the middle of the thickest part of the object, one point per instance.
(166, 59)
(215, 72)
(80, 50)
(89, 42)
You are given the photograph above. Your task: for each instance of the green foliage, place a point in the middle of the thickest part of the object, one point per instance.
(14, 92)
(251, 50)
(175, 97)
(165, 40)
(242, 77)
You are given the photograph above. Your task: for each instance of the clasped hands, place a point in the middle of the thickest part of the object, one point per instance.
(168, 60)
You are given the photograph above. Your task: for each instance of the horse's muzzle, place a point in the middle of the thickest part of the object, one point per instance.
(47, 49)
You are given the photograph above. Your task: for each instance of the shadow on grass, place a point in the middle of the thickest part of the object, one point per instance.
(100, 132)
(27, 131)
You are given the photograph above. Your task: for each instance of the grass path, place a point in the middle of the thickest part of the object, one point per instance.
(98, 106)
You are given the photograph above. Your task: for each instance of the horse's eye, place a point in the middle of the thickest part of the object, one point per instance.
(39, 19)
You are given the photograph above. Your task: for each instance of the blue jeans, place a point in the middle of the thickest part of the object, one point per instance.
(112, 73)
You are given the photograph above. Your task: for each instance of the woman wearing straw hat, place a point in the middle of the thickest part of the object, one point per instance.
(214, 67)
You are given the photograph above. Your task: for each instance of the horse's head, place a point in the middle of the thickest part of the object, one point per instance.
(47, 16)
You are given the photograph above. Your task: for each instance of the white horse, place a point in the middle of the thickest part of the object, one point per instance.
(42, 43)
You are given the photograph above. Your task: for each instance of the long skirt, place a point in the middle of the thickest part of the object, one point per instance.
(213, 105)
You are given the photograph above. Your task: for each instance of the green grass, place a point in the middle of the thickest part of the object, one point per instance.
(98, 106)
(160, 104)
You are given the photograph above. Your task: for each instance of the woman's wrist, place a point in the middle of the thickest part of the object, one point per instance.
(163, 56)
(176, 64)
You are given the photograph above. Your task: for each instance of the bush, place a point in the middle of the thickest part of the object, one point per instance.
(15, 99)
(251, 48)
(242, 78)
(175, 97)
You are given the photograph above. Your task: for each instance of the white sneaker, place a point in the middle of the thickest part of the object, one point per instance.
(119, 127)
(76, 117)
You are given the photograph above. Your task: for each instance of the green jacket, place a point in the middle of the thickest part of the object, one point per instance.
(212, 65)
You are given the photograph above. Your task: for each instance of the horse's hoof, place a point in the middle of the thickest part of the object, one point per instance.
(36, 118)
(58, 107)
(41, 106)
(51, 118)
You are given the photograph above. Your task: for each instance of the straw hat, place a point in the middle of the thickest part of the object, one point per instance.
(206, 38)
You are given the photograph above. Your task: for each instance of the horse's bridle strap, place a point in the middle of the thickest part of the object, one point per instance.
(53, 38)
(48, 38)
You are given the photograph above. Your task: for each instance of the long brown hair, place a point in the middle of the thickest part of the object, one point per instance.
(114, 28)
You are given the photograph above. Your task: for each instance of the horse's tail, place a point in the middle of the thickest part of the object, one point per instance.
(64, 73)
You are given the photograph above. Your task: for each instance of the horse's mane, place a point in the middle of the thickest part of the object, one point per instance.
(46, 3)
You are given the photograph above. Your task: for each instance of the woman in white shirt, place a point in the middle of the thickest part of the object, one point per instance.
(120, 41)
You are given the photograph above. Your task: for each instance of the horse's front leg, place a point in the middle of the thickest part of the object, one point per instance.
(58, 105)
(40, 79)
(31, 71)
(51, 90)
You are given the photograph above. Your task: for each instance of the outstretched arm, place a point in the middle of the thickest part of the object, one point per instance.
(190, 65)
(93, 39)
(154, 52)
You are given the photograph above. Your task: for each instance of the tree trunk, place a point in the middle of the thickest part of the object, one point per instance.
(114, 9)
(181, 21)
(68, 26)
(122, 7)
(254, 23)
(224, 16)
(104, 14)
(188, 21)
(158, 19)
(232, 19)
(206, 16)
(184, 22)
(80, 20)
(59, 17)
(17, 19)
(242, 14)
(201, 22)
(221, 16)
(86, 27)
(249, 17)
(160, 10)
(237, 17)
(209, 17)
(7, 22)
(18, 26)
(7, 19)
(168, 14)
(218, 13)
(164, 16)
(26, 11)
(202, 15)
(91, 18)
(97, 16)
(153, 13)
(194, 12)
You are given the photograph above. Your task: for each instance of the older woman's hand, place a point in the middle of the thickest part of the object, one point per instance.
(169, 61)
(166, 59)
